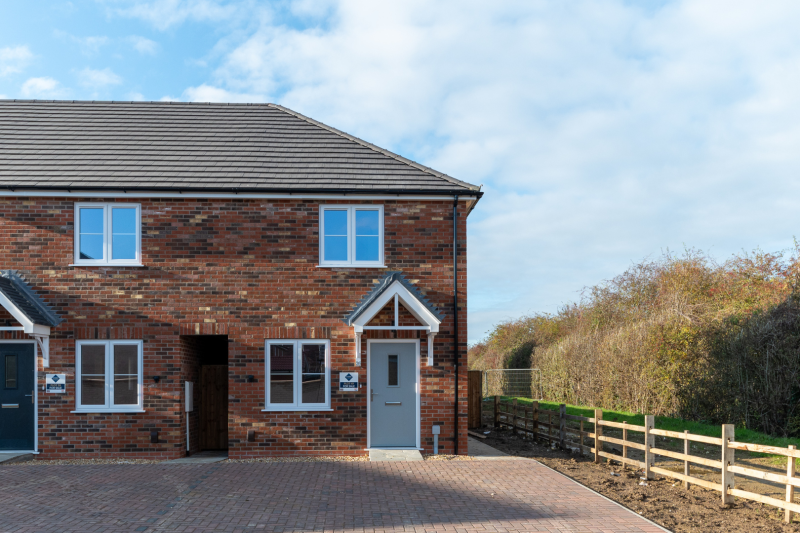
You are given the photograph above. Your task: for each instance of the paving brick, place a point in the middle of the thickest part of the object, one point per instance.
(431, 496)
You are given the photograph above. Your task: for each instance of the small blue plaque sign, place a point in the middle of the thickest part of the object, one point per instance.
(348, 381)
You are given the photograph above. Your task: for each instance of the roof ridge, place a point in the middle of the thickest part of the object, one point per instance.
(158, 102)
(378, 149)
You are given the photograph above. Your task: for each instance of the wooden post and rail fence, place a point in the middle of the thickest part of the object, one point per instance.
(551, 426)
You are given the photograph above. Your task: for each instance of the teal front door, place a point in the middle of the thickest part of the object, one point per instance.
(16, 397)
(393, 395)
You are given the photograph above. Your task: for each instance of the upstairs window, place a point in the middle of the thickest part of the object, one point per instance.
(351, 235)
(108, 234)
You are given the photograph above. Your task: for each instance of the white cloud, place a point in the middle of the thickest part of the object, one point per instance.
(207, 93)
(605, 131)
(14, 59)
(41, 88)
(136, 97)
(143, 45)
(98, 79)
(89, 45)
(169, 99)
(163, 14)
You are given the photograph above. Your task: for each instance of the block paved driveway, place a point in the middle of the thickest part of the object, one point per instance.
(459, 496)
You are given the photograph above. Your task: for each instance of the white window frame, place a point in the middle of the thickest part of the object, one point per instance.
(107, 241)
(351, 232)
(109, 406)
(297, 405)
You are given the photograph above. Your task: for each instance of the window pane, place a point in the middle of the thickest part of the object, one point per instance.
(91, 220)
(123, 220)
(91, 232)
(335, 248)
(123, 233)
(93, 359)
(367, 222)
(367, 249)
(313, 388)
(11, 371)
(281, 373)
(313, 358)
(93, 390)
(91, 246)
(126, 390)
(123, 247)
(335, 222)
(126, 359)
(394, 378)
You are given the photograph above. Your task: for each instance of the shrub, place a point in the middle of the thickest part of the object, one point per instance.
(679, 335)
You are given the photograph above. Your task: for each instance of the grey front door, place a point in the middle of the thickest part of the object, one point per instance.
(393, 394)
(16, 397)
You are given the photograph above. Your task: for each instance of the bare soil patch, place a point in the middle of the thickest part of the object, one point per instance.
(662, 500)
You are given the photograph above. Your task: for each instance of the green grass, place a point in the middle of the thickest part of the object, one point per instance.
(669, 424)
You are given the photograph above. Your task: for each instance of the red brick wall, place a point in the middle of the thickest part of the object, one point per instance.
(243, 268)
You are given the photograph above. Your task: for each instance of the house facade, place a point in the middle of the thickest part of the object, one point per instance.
(186, 277)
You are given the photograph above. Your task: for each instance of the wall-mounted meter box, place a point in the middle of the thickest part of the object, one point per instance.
(189, 396)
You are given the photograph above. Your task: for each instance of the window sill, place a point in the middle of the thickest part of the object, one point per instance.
(352, 266)
(107, 411)
(107, 265)
(296, 409)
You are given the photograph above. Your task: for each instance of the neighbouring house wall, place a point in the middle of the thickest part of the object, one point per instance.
(243, 268)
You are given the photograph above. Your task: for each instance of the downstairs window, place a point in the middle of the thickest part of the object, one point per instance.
(298, 375)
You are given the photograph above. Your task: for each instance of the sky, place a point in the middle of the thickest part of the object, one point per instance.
(603, 132)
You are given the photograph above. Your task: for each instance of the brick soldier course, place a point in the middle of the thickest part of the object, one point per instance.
(464, 496)
(240, 264)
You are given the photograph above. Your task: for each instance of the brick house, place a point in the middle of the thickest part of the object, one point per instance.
(293, 283)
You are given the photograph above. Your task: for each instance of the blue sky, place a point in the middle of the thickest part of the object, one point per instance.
(603, 131)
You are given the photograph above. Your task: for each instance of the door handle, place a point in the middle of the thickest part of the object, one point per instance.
(10, 406)
(372, 395)
(393, 403)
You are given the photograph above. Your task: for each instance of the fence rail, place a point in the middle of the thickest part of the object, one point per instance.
(530, 420)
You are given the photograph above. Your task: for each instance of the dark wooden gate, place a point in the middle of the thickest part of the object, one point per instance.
(475, 395)
(213, 407)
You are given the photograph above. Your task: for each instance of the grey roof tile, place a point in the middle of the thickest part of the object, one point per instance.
(161, 146)
(380, 287)
(26, 300)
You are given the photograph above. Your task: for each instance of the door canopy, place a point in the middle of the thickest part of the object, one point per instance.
(394, 287)
(35, 316)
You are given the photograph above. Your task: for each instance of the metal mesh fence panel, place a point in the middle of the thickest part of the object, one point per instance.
(525, 383)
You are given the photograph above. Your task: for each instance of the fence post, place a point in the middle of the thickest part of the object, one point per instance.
(514, 416)
(624, 447)
(580, 439)
(789, 488)
(649, 442)
(728, 481)
(686, 462)
(497, 412)
(535, 409)
(549, 427)
(562, 425)
(598, 432)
